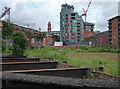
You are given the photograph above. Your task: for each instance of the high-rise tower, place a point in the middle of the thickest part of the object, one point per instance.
(71, 24)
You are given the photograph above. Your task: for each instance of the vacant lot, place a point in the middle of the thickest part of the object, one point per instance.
(108, 56)
(87, 59)
(108, 60)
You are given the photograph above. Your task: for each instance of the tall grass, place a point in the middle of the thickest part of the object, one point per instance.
(110, 66)
(58, 55)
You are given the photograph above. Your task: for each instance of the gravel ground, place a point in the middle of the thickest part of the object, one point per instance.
(62, 81)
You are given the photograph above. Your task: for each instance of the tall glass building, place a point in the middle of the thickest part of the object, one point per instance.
(71, 25)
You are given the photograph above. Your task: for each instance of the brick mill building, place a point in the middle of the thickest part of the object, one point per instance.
(71, 25)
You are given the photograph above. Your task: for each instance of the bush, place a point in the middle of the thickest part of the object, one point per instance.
(113, 50)
(3, 46)
(8, 29)
(10, 48)
(20, 43)
(85, 47)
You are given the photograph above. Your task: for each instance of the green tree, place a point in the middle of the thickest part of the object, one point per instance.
(8, 29)
(20, 43)
(10, 48)
(30, 33)
(3, 46)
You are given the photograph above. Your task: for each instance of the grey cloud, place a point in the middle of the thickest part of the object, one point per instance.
(50, 11)
(108, 10)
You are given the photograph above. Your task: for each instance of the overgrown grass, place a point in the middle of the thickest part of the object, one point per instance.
(110, 66)
(47, 52)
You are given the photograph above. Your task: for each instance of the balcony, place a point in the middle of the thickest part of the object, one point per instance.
(110, 22)
(78, 24)
(110, 26)
(110, 37)
(110, 30)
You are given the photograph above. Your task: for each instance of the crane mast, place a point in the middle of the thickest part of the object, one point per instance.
(85, 12)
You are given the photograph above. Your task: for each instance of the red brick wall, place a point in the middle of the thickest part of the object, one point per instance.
(115, 31)
(105, 38)
(88, 33)
(99, 39)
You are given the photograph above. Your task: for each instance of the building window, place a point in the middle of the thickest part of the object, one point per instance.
(114, 27)
(114, 36)
(114, 40)
(114, 23)
(72, 17)
(66, 15)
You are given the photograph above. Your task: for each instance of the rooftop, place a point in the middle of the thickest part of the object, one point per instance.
(114, 17)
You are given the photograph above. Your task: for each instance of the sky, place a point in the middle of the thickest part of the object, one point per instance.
(38, 13)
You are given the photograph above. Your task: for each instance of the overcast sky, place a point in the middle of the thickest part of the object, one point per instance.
(39, 12)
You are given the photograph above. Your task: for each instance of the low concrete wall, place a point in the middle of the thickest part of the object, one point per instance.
(50, 82)
(28, 65)
(20, 59)
(60, 72)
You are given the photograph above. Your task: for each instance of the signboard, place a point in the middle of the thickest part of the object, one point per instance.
(90, 43)
(58, 43)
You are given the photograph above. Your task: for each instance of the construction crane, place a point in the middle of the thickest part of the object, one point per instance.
(6, 11)
(85, 12)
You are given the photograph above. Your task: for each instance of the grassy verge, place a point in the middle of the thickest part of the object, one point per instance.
(108, 60)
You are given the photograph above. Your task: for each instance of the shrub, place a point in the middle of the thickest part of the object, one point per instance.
(113, 50)
(85, 47)
(20, 43)
(10, 48)
(3, 46)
